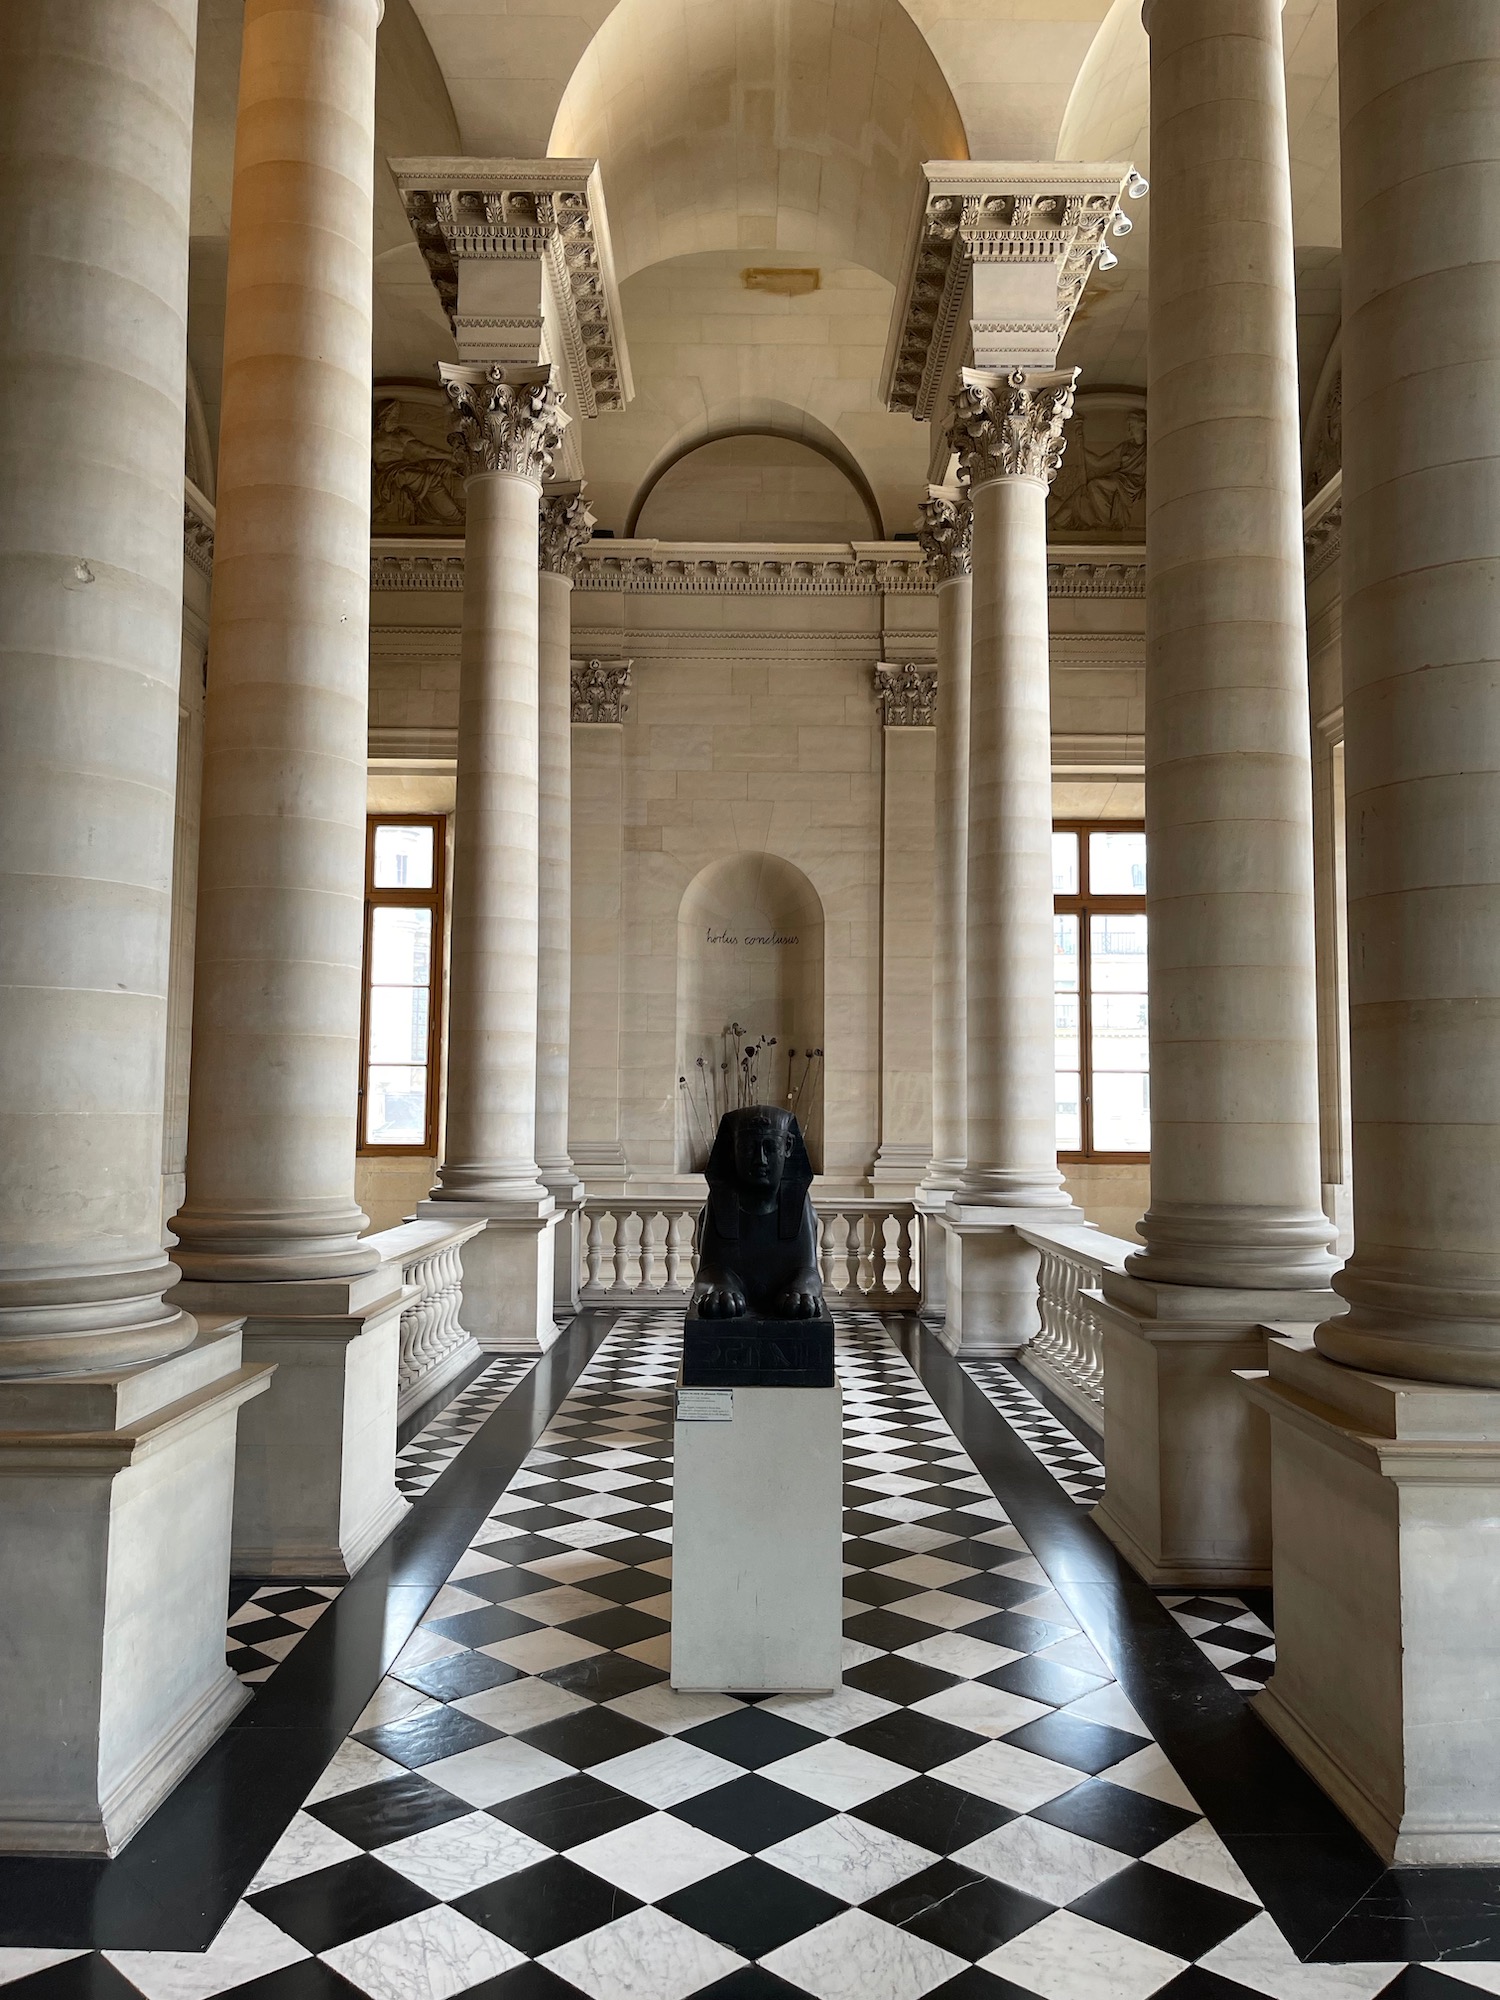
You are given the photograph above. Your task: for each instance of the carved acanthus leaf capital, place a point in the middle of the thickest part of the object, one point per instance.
(907, 696)
(503, 423)
(564, 527)
(1011, 426)
(945, 529)
(599, 690)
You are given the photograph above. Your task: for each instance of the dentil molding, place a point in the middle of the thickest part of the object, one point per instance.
(1011, 426)
(501, 423)
(906, 696)
(599, 690)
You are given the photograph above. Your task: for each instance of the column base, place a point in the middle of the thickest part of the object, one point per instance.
(1387, 1577)
(116, 1500)
(991, 1276)
(508, 1272)
(1187, 1499)
(315, 1483)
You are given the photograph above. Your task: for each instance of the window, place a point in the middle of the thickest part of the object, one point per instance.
(1099, 984)
(403, 964)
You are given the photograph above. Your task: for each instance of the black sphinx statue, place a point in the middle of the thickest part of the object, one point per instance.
(756, 1315)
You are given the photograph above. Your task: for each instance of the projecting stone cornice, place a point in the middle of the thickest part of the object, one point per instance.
(1323, 527)
(1029, 234)
(197, 528)
(467, 213)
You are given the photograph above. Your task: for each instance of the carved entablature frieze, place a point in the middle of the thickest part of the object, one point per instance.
(1323, 528)
(1042, 226)
(1098, 579)
(550, 212)
(564, 525)
(724, 572)
(502, 424)
(1011, 426)
(600, 688)
(945, 531)
(198, 531)
(906, 696)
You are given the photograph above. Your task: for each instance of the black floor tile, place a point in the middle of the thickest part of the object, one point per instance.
(874, 1589)
(751, 1812)
(994, 1587)
(752, 1908)
(962, 1912)
(1165, 1910)
(590, 1736)
(570, 1811)
(1198, 1983)
(604, 1676)
(1016, 1630)
(620, 1626)
(868, 1552)
(903, 1681)
(423, 1739)
(506, 1586)
(88, 1978)
(342, 1902)
(975, 1984)
(546, 1906)
(1128, 1821)
(377, 1814)
(624, 1586)
(750, 1738)
(524, 1982)
(635, 1550)
(1043, 1680)
(521, 1549)
(459, 1674)
(1068, 1739)
(933, 1815)
(918, 1741)
(1420, 1982)
(886, 1629)
(483, 1628)
(751, 1982)
(308, 1979)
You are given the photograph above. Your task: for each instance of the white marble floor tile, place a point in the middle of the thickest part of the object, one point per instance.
(856, 1654)
(565, 1601)
(1148, 1771)
(536, 1652)
(588, 1535)
(857, 1957)
(645, 1956)
(1109, 1706)
(1260, 1957)
(848, 1858)
(653, 1858)
(472, 1563)
(523, 1704)
(16, 1963)
(573, 1566)
(1008, 1775)
(941, 1608)
(929, 1572)
(423, 1647)
(431, 1956)
(495, 1771)
(394, 1701)
(664, 1774)
(662, 1707)
(911, 1535)
(837, 1774)
(832, 1714)
(248, 1947)
(306, 1846)
(462, 1854)
(1066, 1957)
(1076, 1652)
(987, 1711)
(958, 1653)
(450, 1601)
(1199, 1854)
(1043, 1860)
(351, 1766)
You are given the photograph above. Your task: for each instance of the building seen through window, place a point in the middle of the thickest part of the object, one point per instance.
(1099, 983)
(403, 957)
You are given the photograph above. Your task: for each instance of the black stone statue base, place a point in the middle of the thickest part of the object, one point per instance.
(756, 1353)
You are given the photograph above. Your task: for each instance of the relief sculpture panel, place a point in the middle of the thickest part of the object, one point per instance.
(1099, 494)
(416, 478)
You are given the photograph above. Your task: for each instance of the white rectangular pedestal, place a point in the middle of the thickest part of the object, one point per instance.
(116, 1494)
(993, 1305)
(1386, 1505)
(508, 1279)
(757, 1545)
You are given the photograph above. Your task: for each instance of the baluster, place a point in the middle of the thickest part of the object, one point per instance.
(614, 1254)
(871, 1250)
(906, 1236)
(631, 1229)
(825, 1253)
(593, 1255)
(852, 1234)
(678, 1229)
(653, 1245)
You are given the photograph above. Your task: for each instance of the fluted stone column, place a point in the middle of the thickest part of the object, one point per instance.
(114, 1524)
(509, 423)
(1007, 430)
(566, 525)
(1235, 1234)
(270, 1225)
(1387, 1482)
(945, 531)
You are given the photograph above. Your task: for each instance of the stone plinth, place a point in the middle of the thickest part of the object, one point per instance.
(314, 1490)
(757, 1545)
(757, 1352)
(509, 1285)
(1386, 1503)
(119, 1491)
(991, 1277)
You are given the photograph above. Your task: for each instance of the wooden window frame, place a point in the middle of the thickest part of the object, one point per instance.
(423, 899)
(1085, 905)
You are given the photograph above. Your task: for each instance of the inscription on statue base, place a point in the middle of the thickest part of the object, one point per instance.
(756, 1353)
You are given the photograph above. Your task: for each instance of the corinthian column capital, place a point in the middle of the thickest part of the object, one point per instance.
(945, 529)
(1011, 426)
(503, 423)
(563, 530)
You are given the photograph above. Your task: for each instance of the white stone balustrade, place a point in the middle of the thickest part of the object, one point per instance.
(434, 1344)
(1068, 1353)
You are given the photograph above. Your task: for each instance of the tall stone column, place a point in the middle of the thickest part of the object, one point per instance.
(1007, 430)
(114, 1523)
(509, 423)
(566, 525)
(946, 525)
(270, 1226)
(1387, 1482)
(1235, 1234)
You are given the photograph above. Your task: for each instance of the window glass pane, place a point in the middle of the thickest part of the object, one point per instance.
(1065, 954)
(403, 857)
(1122, 1113)
(1065, 864)
(398, 1024)
(1117, 954)
(395, 1105)
(1117, 864)
(400, 947)
(1069, 1113)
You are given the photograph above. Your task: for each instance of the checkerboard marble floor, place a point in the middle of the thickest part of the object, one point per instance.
(1077, 1470)
(525, 1810)
(1235, 1636)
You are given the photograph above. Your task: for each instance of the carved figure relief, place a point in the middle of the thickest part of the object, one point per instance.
(416, 480)
(1100, 495)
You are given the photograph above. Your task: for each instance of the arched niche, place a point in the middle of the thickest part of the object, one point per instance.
(755, 487)
(749, 951)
